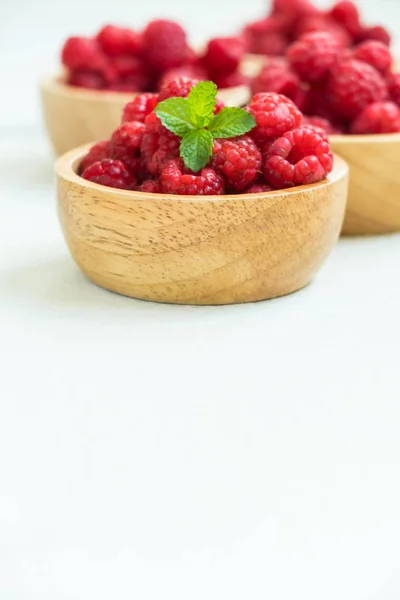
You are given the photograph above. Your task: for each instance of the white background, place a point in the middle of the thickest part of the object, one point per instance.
(155, 452)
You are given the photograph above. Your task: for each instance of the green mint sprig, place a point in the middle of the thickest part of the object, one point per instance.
(193, 120)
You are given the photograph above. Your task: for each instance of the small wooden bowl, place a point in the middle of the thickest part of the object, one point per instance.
(199, 250)
(374, 193)
(75, 116)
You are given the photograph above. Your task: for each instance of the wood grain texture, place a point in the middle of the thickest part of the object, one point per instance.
(374, 194)
(190, 250)
(76, 116)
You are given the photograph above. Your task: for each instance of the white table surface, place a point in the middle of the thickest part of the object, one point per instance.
(157, 452)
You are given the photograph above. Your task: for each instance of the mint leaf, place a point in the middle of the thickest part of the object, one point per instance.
(196, 149)
(202, 101)
(230, 122)
(174, 114)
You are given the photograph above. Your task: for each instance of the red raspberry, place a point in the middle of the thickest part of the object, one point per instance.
(235, 79)
(313, 55)
(153, 123)
(321, 125)
(112, 173)
(299, 157)
(375, 54)
(319, 23)
(97, 152)
(150, 186)
(393, 82)
(379, 117)
(346, 13)
(164, 45)
(194, 72)
(375, 33)
(125, 144)
(218, 106)
(267, 36)
(258, 188)
(149, 147)
(177, 87)
(353, 85)
(294, 8)
(317, 104)
(139, 108)
(132, 73)
(277, 76)
(83, 53)
(168, 149)
(84, 78)
(205, 183)
(274, 114)
(223, 55)
(115, 41)
(239, 160)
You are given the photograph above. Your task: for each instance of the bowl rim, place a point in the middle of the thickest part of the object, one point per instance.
(57, 85)
(365, 138)
(65, 169)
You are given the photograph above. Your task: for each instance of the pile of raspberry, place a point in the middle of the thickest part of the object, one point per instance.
(339, 89)
(124, 60)
(279, 152)
(290, 19)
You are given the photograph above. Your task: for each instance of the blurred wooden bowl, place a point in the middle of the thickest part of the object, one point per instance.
(199, 250)
(75, 116)
(374, 192)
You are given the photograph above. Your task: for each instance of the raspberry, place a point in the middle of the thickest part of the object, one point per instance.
(205, 183)
(83, 53)
(319, 23)
(164, 45)
(393, 82)
(274, 114)
(168, 149)
(96, 153)
(353, 85)
(132, 73)
(295, 8)
(150, 186)
(112, 173)
(321, 125)
(239, 160)
(194, 72)
(375, 54)
(313, 55)
(125, 144)
(232, 80)
(84, 78)
(218, 106)
(115, 41)
(375, 33)
(177, 87)
(277, 76)
(299, 157)
(258, 188)
(379, 117)
(267, 36)
(223, 55)
(149, 147)
(346, 13)
(139, 108)
(153, 123)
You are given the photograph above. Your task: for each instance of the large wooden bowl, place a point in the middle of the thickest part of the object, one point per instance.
(199, 250)
(374, 193)
(75, 116)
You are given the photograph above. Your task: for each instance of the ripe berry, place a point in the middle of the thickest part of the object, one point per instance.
(205, 183)
(85, 78)
(132, 73)
(188, 71)
(258, 188)
(393, 81)
(116, 41)
(125, 143)
(375, 54)
(149, 147)
(274, 114)
(138, 109)
(267, 36)
(375, 33)
(298, 157)
(112, 173)
(313, 55)
(97, 152)
(177, 88)
(83, 53)
(223, 55)
(346, 13)
(239, 160)
(150, 186)
(379, 117)
(353, 85)
(167, 149)
(164, 45)
(232, 80)
(321, 22)
(278, 76)
(321, 125)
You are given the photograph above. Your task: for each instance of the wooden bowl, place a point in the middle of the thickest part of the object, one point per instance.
(199, 250)
(75, 116)
(374, 193)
